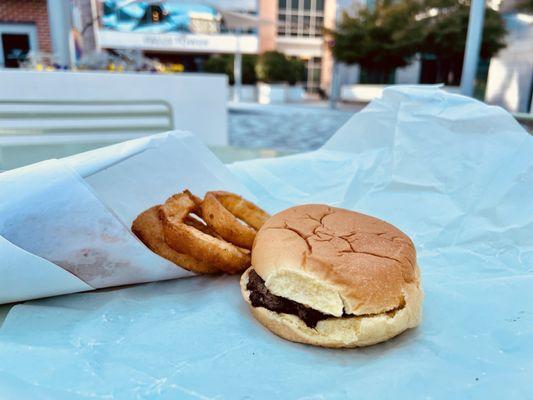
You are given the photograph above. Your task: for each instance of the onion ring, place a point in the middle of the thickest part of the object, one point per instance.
(197, 202)
(149, 229)
(224, 211)
(190, 240)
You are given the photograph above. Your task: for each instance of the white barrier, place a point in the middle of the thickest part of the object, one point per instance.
(361, 92)
(267, 93)
(248, 93)
(510, 75)
(198, 101)
(364, 93)
(295, 93)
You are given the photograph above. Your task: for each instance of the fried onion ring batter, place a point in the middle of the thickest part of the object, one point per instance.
(198, 243)
(224, 211)
(149, 229)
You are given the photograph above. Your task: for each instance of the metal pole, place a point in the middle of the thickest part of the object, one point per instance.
(96, 26)
(60, 20)
(237, 68)
(335, 80)
(473, 45)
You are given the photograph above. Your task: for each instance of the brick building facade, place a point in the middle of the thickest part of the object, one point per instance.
(24, 17)
(25, 27)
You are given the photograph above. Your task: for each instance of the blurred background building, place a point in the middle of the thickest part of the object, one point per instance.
(183, 35)
(187, 33)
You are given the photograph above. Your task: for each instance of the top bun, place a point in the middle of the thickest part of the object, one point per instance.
(335, 261)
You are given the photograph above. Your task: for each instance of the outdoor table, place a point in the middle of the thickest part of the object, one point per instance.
(454, 174)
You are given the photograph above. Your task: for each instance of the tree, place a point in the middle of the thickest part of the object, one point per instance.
(444, 37)
(388, 37)
(297, 71)
(379, 40)
(223, 64)
(273, 67)
(219, 65)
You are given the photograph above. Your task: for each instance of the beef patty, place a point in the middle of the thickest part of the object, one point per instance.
(260, 296)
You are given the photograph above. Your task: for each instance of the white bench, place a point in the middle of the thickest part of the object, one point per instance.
(35, 130)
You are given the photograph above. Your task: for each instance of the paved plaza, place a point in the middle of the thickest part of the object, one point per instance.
(285, 128)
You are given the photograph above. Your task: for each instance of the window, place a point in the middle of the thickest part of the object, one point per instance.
(300, 18)
(306, 29)
(294, 21)
(16, 42)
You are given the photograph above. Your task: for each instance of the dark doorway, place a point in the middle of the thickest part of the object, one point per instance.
(428, 69)
(16, 47)
(436, 69)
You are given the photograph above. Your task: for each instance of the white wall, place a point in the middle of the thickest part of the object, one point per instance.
(361, 93)
(300, 46)
(170, 41)
(511, 71)
(364, 92)
(248, 93)
(198, 100)
(408, 74)
(349, 74)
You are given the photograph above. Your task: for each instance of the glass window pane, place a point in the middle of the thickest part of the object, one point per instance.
(320, 5)
(307, 5)
(294, 4)
(282, 4)
(319, 25)
(306, 24)
(294, 22)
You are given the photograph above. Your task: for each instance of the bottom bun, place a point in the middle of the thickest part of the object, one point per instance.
(344, 332)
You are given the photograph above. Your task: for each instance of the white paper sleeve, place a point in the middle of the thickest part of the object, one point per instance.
(82, 225)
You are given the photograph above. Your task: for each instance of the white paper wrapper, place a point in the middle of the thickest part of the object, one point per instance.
(53, 220)
(453, 173)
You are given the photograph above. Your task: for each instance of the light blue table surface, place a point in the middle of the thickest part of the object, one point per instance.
(453, 173)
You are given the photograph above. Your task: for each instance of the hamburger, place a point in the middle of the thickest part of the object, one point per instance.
(331, 277)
